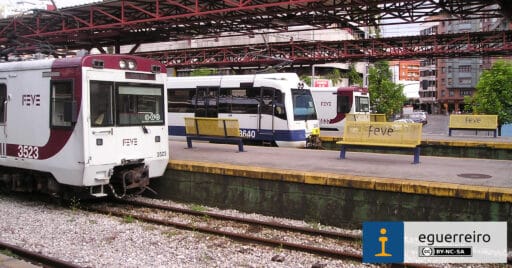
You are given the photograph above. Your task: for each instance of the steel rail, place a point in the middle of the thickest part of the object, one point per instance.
(276, 225)
(36, 257)
(339, 254)
(299, 229)
(237, 236)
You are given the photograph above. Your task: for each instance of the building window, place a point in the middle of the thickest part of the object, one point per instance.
(465, 68)
(466, 92)
(465, 80)
(451, 92)
(443, 93)
(450, 81)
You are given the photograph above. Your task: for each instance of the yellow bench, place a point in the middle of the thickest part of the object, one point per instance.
(473, 122)
(366, 117)
(382, 135)
(213, 129)
(378, 118)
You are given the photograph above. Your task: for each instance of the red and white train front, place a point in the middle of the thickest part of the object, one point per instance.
(91, 122)
(333, 104)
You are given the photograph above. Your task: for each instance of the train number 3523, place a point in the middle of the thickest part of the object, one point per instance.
(27, 151)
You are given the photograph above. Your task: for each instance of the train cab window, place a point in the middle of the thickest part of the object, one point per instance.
(303, 105)
(140, 105)
(63, 107)
(101, 104)
(3, 106)
(362, 104)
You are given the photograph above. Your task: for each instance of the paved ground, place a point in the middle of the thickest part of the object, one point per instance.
(484, 172)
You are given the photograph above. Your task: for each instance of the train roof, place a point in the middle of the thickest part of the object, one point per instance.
(232, 80)
(110, 61)
(341, 89)
(26, 65)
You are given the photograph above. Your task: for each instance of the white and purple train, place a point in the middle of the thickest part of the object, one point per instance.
(94, 125)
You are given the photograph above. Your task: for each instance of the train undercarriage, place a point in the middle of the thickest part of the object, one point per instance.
(126, 180)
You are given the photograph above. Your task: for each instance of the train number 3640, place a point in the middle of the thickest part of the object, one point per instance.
(27, 151)
(247, 133)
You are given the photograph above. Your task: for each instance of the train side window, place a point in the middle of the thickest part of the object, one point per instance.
(102, 113)
(63, 107)
(267, 100)
(245, 100)
(343, 104)
(180, 100)
(225, 100)
(279, 107)
(3, 104)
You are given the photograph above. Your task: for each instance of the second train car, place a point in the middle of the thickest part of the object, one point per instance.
(276, 108)
(334, 103)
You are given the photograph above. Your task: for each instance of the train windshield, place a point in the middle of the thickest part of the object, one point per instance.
(362, 104)
(303, 105)
(125, 104)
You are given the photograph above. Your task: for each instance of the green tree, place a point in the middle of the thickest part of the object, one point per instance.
(334, 76)
(203, 72)
(386, 97)
(494, 92)
(354, 78)
(306, 79)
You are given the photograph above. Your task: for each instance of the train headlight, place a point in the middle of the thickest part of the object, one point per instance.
(132, 65)
(122, 64)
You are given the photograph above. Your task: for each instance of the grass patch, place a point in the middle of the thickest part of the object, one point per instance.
(128, 219)
(196, 207)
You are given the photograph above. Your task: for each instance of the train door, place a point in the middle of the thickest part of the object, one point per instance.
(206, 101)
(101, 107)
(344, 102)
(266, 112)
(3, 120)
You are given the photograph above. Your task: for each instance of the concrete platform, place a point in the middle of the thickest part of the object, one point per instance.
(481, 179)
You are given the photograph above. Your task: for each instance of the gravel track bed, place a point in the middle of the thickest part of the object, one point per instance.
(241, 228)
(96, 240)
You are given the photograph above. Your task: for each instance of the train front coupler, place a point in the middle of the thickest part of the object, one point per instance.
(130, 179)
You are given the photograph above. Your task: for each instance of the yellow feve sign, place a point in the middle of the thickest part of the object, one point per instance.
(474, 121)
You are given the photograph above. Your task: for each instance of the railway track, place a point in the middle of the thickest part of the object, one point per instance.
(36, 258)
(314, 241)
(327, 243)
